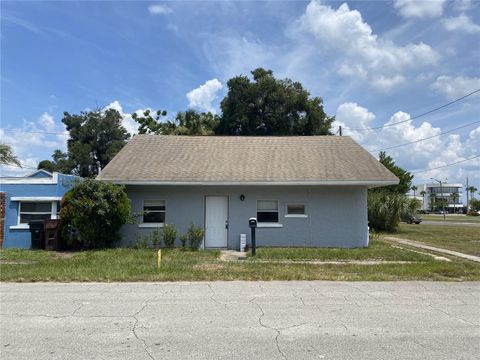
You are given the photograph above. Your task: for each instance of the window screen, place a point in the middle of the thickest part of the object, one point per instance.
(154, 211)
(267, 211)
(295, 209)
(35, 211)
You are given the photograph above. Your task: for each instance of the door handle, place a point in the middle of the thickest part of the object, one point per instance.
(226, 224)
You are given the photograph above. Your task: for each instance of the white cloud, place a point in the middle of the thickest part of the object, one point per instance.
(361, 52)
(461, 23)
(159, 9)
(351, 115)
(419, 8)
(203, 96)
(437, 151)
(455, 87)
(47, 122)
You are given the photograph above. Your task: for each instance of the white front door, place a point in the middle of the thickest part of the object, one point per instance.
(216, 221)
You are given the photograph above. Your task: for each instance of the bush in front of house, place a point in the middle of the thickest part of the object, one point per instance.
(183, 240)
(95, 211)
(170, 234)
(195, 236)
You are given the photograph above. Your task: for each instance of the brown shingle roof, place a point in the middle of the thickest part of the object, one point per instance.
(241, 159)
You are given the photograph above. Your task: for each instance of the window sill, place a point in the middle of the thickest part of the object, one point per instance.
(151, 225)
(20, 227)
(269, 225)
(296, 216)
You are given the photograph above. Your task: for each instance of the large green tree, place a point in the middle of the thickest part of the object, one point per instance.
(403, 175)
(95, 138)
(270, 106)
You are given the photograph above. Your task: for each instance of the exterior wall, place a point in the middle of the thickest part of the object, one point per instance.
(337, 216)
(20, 238)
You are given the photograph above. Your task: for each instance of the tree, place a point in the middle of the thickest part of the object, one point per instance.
(269, 106)
(60, 163)
(96, 210)
(414, 188)
(423, 193)
(405, 178)
(7, 157)
(95, 138)
(455, 197)
(189, 122)
(471, 190)
(149, 124)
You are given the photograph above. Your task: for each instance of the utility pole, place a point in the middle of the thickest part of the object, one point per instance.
(466, 189)
(340, 130)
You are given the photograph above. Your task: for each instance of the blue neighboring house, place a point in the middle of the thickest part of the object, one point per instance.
(35, 196)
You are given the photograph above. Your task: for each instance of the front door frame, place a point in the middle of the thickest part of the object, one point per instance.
(205, 218)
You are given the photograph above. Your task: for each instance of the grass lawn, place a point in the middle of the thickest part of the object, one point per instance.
(377, 250)
(458, 238)
(140, 265)
(451, 218)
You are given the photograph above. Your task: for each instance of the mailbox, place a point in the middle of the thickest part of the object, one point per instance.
(252, 222)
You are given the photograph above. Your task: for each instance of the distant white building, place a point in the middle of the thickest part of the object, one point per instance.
(451, 192)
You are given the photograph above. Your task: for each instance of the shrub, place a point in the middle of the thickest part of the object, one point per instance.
(474, 207)
(195, 236)
(96, 210)
(169, 235)
(385, 210)
(142, 242)
(156, 238)
(183, 240)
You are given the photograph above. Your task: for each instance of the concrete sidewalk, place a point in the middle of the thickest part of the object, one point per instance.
(433, 248)
(240, 320)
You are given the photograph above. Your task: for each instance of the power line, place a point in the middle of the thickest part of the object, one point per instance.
(444, 166)
(417, 116)
(423, 139)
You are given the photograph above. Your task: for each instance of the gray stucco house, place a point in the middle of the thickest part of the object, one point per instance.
(308, 191)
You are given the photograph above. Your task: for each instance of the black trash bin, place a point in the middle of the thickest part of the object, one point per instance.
(37, 234)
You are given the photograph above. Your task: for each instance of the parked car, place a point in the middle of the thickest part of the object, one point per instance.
(412, 219)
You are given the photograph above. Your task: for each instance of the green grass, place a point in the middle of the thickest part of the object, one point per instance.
(457, 238)
(451, 218)
(140, 265)
(377, 250)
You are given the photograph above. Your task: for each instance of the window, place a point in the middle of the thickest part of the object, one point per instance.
(267, 211)
(154, 211)
(29, 211)
(296, 210)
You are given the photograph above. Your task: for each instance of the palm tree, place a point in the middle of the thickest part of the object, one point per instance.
(7, 157)
(423, 193)
(472, 190)
(414, 188)
(455, 198)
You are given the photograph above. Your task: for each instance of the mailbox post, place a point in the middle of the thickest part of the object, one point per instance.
(252, 222)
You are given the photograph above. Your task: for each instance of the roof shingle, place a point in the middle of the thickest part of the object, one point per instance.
(241, 159)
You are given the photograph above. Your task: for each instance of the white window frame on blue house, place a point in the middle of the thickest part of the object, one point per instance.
(54, 211)
(154, 224)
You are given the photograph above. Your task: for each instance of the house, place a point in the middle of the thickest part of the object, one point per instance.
(32, 197)
(308, 191)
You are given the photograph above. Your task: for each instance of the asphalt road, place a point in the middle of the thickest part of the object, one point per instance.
(240, 320)
(449, 223)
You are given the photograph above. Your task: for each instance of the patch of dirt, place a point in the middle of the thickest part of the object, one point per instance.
(63, 255)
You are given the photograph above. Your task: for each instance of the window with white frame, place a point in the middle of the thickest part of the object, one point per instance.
(29, 211)
(295, 210)
(267, 211)
(154, 211)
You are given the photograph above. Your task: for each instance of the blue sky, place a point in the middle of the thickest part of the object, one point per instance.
(373, 62)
